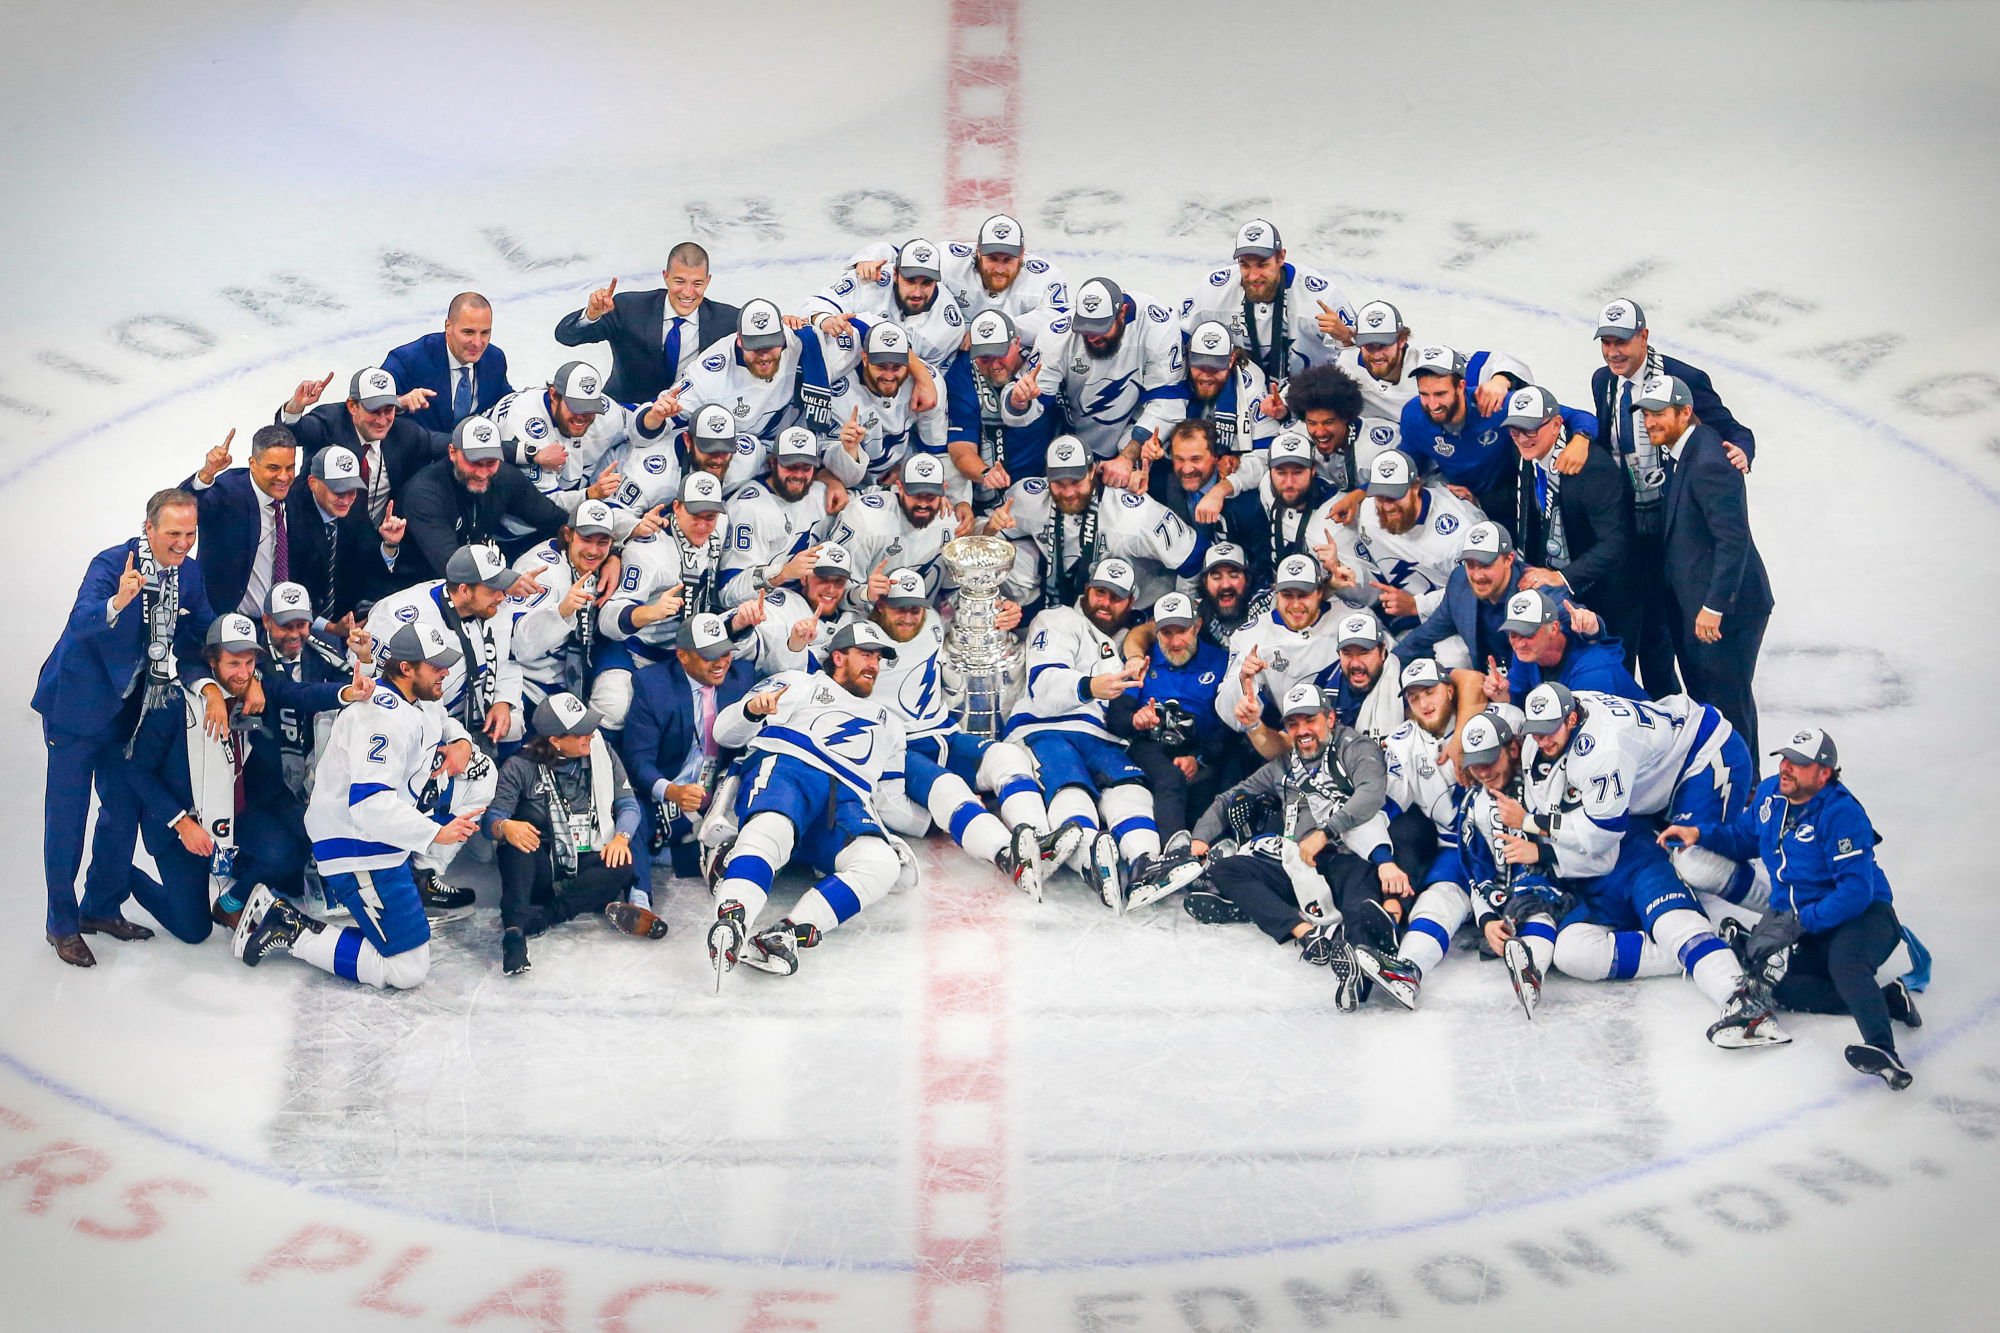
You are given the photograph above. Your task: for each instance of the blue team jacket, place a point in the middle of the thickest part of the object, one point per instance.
(1821, 855)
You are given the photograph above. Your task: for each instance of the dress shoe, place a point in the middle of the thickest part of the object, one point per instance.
(71, 949)
(117, 927)
(222, 916)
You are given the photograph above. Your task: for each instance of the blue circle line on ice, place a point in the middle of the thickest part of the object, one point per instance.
(80, 1098)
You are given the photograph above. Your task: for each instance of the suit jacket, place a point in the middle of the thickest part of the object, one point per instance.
(660, 725)
(636, 328)
(424, 364)
(406, 449)
(1707, 552)
(1708, 408)
(1596, 507)
(157, 768)
(359, 575)
(444, 516)
(83, 682)
(1462, 613)
(231, 525)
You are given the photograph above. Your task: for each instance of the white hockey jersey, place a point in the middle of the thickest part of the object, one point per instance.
(1138, 386)
(485, 673)
(1382, 400)
(1626, 759)
(543, 640)
(653, 565)
(1037, 294)
(373, 787)
(762, 408)
(1419, 780)
(1220, 297)
(914, 682)
(858, 741)
(1160, 546)
(1291, 657)
(874, 528)
(765, 530)
(523, 420)
(893, 426)
(1419, 561)
(1064, 651)
(769, 644)
(935, 334)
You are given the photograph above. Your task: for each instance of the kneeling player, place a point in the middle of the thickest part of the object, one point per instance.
(819, 747)
(943, 764)
(1635, 918)
(387, 764)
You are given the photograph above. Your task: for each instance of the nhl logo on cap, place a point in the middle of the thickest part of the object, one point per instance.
(592, 519)
(1068, 460)
(1256, 238)
(373, 388)
(287, 603)
(760, 320)
(833, 561)
(1211, 346)
(796, 444)
(923, 474)
(701, 494)
(232, 633)
(887, 344)
(1374, 319)
(1213, 339)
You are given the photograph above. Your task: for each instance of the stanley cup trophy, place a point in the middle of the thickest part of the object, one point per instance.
(982, 664)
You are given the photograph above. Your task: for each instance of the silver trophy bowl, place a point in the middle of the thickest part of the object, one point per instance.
(982, 664)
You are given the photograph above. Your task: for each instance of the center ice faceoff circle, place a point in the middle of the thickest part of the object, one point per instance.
(1386, 1091)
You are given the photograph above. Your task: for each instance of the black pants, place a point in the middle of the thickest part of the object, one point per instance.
(1260, 886)
(532, 899)
(1649, 632)
(1173, 793)
(1722, 673)
(1833, 972)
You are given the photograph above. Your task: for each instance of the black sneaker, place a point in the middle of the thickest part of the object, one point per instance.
(1883, 1064)
(1902, 1004)
(279, 927)
(1211, 908)
(443, 902)
(514, 952)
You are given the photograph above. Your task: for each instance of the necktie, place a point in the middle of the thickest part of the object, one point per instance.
(281, 553)
(708, 745)
(1625, 420)
(332, 565)
(672, 355)
(461, 395)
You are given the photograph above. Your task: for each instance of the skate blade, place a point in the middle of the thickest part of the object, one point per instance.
(1746, 1037)
(720, 956)
(254, 907)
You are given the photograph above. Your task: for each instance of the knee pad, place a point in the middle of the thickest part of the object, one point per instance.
(407, 969)
(766, 835)
(611, 696)
(870, 860)
(1705, 870)
(1583, 951)
(1126, 801)
(1002, 762)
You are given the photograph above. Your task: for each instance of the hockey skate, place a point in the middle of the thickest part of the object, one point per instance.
(1338, 955)
(1211, 908)
(1154, 877)
(254, 907)
(635, 920)
(1398, 976)
(1521, 970)
(776, 950)
(278, 926)
(1104, 873)
(1021, 861)
(1883, 1064)
(1747, 1020)
(1059, 847)
(443, 902)
(725, 938)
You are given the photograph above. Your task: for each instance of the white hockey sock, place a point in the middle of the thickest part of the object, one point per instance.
(1072, 805)
(1439, 911)
(1008, 772)
(1686, 937)
(864, 872)
(1128, 811)
(763, 845)
(1597, 953)
(959, 812)
(1538, 932)
(1025, 807)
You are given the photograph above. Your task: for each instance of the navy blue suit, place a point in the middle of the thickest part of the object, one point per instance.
(1709, 560)
(636, 328)
(342, 569)
(1462, 613)
(407, 449)
(1243, 518)
(660, 734)
(89, 693)
(1648, 635)
(425, 364)
(231, 525)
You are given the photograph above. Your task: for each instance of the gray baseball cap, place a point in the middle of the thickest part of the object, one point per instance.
(1114, 575)
(1483, 739)
(593, 518)
(1423, 672)
(478, 564)
(992, 333)
(833, 559)
(563, 714)
(1096, 310)
(999, 235)
(704, 635)
(1528, 408)
(1359, 629)
(1530, 609)
(478, 439)
(1620, 319)
(419, 643)
(1257, 239)
(1303, 699)
(701, 494)
(922, 474)
(580, 387)
(1438, 359)
(795, 445)
(714, 430)
(1068, 459)
(1224, 553)
(864, 634)
(232, 633)
(906, 588)
(1378, 324)
(1810, 746)
(1297, 573)
(887, 344)
(1211, 346)
(1486, 543)
(918, 258)
(1175, 611)
(1390, 475)
(338, 469)
(760, 326)
(373, 388)
(288, 603)
(1663, 391)
(1546, 708)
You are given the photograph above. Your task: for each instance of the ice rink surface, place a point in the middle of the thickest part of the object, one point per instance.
(969, 1112)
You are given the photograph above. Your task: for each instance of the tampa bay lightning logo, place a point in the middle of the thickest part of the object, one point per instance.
(1489, 437)
(1584, 743)
(1219, 278)
(655, 464)
(406, 614)
(712, 362)
(1382, 435)
(853, 740)
(920, 689)
(1447, 524)
(1803, 833)
(535, 427)
(1315, 284)
(1113, 400)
